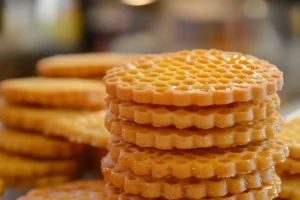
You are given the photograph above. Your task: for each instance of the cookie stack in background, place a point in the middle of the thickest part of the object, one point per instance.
(194, 124)
(70, 108)
(289, 171)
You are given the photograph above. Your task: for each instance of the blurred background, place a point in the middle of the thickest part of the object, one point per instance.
(31, 29)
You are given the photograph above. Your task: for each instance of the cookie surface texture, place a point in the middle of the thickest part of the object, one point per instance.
(200, 163)
(197, 77)
(38, 146)
(83, 129)
(86, 65)
(169, 138)
(55, 92)
(290, 188)
(79, 190)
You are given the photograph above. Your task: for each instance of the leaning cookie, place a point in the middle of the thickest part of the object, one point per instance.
(58, 93)
(88, 65)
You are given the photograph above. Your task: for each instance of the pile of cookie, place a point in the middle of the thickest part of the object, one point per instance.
(50, 121)
(198, 124)
(194, 124)
(289, 171)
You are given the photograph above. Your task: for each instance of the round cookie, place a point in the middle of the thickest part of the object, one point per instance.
(87, 128)
(200, 163)
(55, 92)
(86, 65)
(79, 190)
(201, 117)
(197, 77)
(169, 138)
(172, 188)
(38, 146)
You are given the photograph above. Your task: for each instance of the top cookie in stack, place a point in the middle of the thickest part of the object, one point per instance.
(194, 124)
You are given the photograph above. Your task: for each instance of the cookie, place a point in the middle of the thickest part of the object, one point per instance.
(197, 77)
(79, 190)
(1, 187)
(20, 183)
(83, 129)
(265, 192)
(55, 92)
(33, 118)
(292, 166)
(12, 166)
(38, 146)
(172, 188)
(290, 188)
(169, 138)
(200, 163)
(291, 136)
(200, 117)
(87, 65)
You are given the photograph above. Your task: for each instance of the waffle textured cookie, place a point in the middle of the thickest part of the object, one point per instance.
(172, 188)
(200, 117)
(290, 188)
(12, 166)
(197, 77)
(265, 192)
(33, 118)
(88, 65)
(54, 92)
(291, 136)
(199, 163)
(169, 138)
(84, 129)
(292, 166)
(34, 145)
(79, 190)
(36, 181)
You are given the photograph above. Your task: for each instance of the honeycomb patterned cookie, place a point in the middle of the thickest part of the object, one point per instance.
(169, 138)
(265, 192)
(290, 188)
(88, 65)
(172, 188)
(197, 77)
(200, 117)
(79, 190)
(200, 163)
(55, 92)
(290, 135)
(26, 144)
(292, 166)
(87, 128)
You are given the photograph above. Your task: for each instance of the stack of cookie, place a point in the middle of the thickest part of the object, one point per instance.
(29, 158)
(289, 171)
(194, 124)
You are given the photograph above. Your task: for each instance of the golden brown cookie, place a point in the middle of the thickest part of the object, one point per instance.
(169, 138)
(291, 136)
(1, 187)
(55, 92)
(33, 118)
(84, 65)
(200, 163)
(200, 117)
(12, 166)
(197, 77)
(265, 192)
(290, 188)
(83, 129)
(79, 190)
(38, 146)
(292, 166)
(172, 188)
(19, 183)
